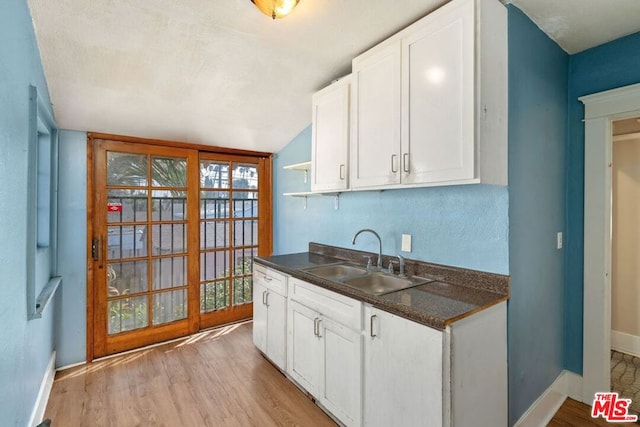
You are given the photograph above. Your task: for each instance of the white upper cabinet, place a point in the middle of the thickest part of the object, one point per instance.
(375, 147)
(437, 79)
(430, 103)
(330, 137)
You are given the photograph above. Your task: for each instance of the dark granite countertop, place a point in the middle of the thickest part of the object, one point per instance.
(455, 294)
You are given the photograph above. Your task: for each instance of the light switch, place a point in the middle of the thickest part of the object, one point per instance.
(406, 243)
(559, 239)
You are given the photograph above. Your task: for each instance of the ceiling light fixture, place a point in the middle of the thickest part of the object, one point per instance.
(275, 8)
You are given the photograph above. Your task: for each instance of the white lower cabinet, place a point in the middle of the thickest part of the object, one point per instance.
(368, 367)
(325, 356)
(402, 372)
(305, 348)
(270, 314)
(418, 376)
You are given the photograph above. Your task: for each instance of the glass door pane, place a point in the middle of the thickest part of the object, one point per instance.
(152, 289)
(228, 236)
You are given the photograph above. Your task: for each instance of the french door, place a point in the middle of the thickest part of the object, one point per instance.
(174, 232)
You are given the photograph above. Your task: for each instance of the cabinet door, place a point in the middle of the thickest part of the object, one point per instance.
(330, 140)
(375, 147)
(341, 391)
(276, 328)
(304, 347)
(259, 316)
(403, 372)
(438, 97)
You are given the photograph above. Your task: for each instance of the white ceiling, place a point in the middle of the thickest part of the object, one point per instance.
(218, 72)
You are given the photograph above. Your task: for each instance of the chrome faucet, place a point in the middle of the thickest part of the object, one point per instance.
(400, 262)
(353, 242)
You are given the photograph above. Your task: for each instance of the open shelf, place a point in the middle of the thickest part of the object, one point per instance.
(304, 166)
(306, 194)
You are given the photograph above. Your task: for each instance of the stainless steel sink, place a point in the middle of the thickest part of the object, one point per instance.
(337, 271)
(370, 282)
(381, 283)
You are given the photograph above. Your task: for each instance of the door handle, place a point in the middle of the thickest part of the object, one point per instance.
(405, 162)
(319, 334)
(264, 297)
(371, 326)
(316, 326)
(342, 170)
(96, 252)
(394, 158)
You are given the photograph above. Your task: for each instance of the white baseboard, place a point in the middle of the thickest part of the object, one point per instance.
(73, 365)
(567, 384)
(43, 394)
(626, 343)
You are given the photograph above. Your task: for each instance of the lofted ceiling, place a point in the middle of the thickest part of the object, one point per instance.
(221, 73)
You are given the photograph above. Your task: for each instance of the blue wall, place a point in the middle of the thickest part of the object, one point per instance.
(26, 346)
(605, 67)
(537, 134)
(71, 328)
(465, 226)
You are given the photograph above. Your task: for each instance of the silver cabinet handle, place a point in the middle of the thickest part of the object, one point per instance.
(267, 278)
(371, 327)
(342, 172)
(264, 297)
(393, 163)
(405, 162)
(319, 321)
(315, 326)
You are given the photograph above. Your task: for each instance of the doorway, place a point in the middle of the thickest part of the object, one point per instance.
(174, 232)
(601, 110)
(625, 253)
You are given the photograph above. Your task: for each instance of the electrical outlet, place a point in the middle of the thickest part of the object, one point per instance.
(406, 243)
(559, 239)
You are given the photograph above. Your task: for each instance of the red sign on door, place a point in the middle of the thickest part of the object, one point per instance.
(114, 207)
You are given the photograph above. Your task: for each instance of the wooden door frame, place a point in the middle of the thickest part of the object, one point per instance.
(265, 227)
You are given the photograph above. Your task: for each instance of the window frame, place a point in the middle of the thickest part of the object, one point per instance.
(42, 232)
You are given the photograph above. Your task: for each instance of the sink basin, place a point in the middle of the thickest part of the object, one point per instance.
(337, 271)
(370, 282)
(380, 283)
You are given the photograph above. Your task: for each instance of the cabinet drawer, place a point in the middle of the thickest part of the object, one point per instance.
(270, 279)
(339, 308)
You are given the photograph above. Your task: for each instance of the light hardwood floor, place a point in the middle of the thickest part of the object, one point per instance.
(576, 414)
(214, 378)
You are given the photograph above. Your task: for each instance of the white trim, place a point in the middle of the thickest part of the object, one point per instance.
(73, 365)
(567, 384)
(611, 102)
(573, 385)
(597, 257)
(626, 343)
(43, 394)
(600, 110)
